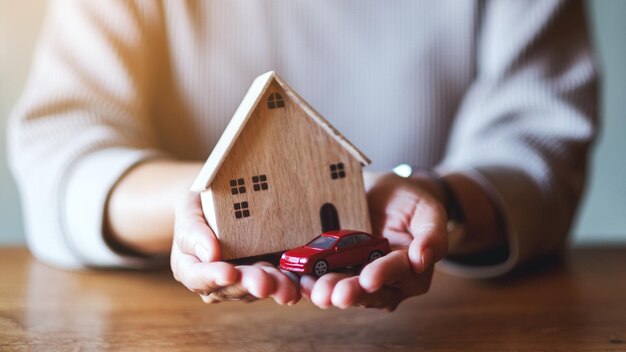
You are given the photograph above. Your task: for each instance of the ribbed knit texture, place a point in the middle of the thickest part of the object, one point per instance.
(505, 92)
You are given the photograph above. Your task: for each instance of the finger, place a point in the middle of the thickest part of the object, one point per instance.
(421, 257)
(385, 298)
(205, 277)
(285, 291)
(174, 258)
(208, 299)
(191, 232)
(190, 204)
(307, 282)
(387, 270)
(398, 239)
(347, 293)
(323, 289)
(239, 292)
(181, 263)
(256, 281)
(293, 277)
(234, 292)
(428, 227)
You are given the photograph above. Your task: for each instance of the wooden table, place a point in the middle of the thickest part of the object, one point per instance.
(576, 304)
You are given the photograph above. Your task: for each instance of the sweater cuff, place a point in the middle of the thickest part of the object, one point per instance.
(518, 199)
(86, 195)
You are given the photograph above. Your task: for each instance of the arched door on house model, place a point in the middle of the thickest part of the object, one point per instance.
(329, 218)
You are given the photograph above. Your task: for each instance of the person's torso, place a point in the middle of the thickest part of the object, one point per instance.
(389, 75)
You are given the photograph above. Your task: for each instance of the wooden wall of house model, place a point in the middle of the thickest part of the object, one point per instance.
(280, 175)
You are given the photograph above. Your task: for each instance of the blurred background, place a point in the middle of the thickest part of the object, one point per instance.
(602, 217)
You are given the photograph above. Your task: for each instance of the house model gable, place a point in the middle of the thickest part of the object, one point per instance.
(280, 175)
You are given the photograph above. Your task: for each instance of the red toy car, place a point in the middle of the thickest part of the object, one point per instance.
(333, 250)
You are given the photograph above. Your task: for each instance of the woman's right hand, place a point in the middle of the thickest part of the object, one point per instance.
(196, 263)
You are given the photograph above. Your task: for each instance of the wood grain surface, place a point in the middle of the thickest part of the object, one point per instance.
(295, 154)
(577, 304)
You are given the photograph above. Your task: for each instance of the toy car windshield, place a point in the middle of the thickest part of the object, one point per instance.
(322, 242)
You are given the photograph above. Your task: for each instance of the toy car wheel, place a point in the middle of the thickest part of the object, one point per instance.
(375, 255)
(320, 268)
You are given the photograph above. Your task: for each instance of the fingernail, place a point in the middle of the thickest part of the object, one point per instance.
(201, 253)
(427, 258)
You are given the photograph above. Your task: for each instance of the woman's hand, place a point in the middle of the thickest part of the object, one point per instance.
(407, 212)
(383, 284)
(196, 263)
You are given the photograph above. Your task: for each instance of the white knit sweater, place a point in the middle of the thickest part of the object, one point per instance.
(504, 91)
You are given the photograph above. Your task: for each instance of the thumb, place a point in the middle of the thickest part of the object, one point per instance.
(191, 232)
(428, 227)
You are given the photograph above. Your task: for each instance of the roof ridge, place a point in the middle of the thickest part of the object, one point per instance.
(242, 115)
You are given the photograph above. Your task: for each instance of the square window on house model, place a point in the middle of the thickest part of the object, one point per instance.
(259, 183)
(275, 100)
(241, 210)
(237, 186)
(337, 171)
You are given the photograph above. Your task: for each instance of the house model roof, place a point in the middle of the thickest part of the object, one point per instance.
(243, 114)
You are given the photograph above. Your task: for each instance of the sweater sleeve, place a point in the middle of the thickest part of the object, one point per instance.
(525, 127)
(81, 123)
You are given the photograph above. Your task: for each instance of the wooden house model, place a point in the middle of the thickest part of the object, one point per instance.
(280, 175)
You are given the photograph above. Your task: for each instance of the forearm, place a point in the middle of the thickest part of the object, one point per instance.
(140, 210)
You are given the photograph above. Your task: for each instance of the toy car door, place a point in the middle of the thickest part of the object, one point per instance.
(363, 247)
(346, 252)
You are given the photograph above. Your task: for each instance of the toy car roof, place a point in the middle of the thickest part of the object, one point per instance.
(340, 233)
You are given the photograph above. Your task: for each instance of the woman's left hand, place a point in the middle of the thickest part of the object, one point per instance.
(408, 213)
